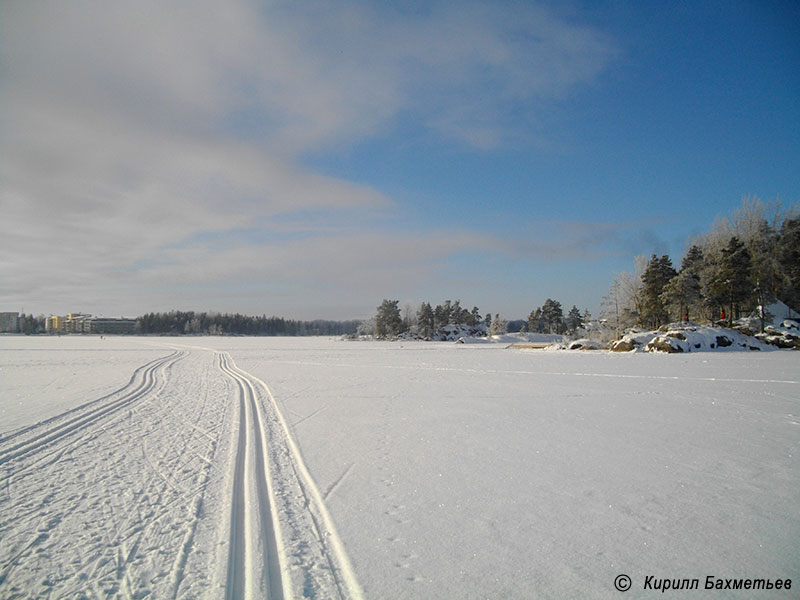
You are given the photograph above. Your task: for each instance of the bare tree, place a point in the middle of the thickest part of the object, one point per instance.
(623, 304)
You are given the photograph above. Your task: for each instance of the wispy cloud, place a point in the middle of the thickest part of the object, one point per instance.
(134, 134)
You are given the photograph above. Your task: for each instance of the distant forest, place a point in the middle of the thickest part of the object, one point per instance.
(190, 322)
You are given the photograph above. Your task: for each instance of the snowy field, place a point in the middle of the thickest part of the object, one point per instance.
(308, 467)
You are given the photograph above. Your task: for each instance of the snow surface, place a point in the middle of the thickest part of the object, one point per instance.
(42, 380)
(390, 470)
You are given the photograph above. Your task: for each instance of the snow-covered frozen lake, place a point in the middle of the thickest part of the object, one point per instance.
(224, 467)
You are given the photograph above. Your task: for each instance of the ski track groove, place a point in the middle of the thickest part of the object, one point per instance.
(182, 494)
(79, 424)
(125, 532)
(294, 471)
(123, 480)
(252, 506)
(93, 414)
(6, 437)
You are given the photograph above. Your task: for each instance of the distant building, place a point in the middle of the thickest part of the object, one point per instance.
(72, 323)
(9, 322)
(77, 323)
(112, 326)
(55, 324)
(82, 323)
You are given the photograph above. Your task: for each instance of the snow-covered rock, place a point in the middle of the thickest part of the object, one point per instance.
(542, 339)
(454, 333)
(787, 335)
(586, 344)
(774, 315)
(688, 337)
(780, 325)
(633, 340)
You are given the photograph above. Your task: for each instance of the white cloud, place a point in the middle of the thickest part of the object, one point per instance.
(132, 129)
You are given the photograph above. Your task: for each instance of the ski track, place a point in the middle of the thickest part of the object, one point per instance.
(254, 569)
(293, 523)
(186, 482)
(34, 438)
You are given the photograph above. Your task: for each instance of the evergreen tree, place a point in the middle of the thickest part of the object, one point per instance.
(425, 320)
(656, 276)
(683, 293)
(388, 322)
(712, 288)
(535, 321)
(734, 278)
(458, 315)
(751, 224)
(749, 259)
(574, 319)
(28, 324)
(691, 269)
(553, 316)
(442, 315)
(788, 255)
(447, 312)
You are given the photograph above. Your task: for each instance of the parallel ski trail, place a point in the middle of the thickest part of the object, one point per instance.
(105, 499)
(284, 495)
(186, 482)
(141, 383)
(254, 566)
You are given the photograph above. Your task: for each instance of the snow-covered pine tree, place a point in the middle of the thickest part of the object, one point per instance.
(535, 321)
(499, 326)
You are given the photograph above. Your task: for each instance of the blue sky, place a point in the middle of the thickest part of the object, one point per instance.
(311, 159)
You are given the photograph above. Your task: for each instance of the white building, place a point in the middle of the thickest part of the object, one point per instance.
(9, 322)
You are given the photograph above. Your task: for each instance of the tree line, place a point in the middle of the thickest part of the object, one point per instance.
(426, 322)
(203, 323)
(749, 260)
(29, 324)
(190, 322)
(549, 318)
(430, 322)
